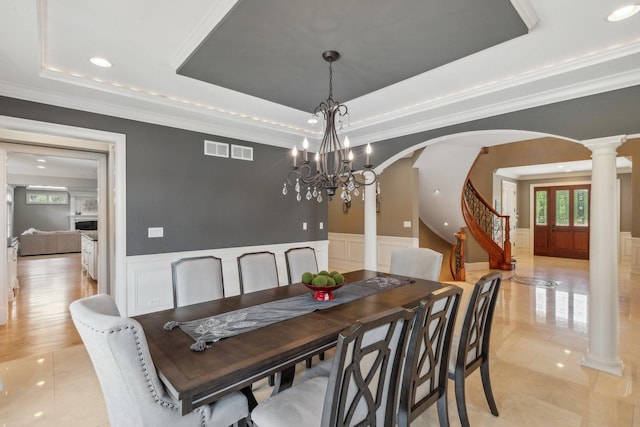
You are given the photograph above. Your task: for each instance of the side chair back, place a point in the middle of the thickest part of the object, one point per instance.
(299, 261)
(133, 393)
(258, 271)
(421, 263)
(471, 350)
(365, 375)
(196, 280)
(424, 380)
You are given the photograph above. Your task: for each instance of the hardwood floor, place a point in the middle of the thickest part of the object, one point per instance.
(39, 319)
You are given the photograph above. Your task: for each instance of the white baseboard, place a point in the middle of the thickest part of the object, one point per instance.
(475, 266)
(149, 283)
(346, 251)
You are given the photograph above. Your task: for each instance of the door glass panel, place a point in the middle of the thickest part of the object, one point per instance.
(541, 208)
(581, 208)
(562, 208)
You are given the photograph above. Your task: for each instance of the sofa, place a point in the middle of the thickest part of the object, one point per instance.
(38, 242)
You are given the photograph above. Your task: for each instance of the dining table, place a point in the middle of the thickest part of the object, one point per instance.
(196, 378)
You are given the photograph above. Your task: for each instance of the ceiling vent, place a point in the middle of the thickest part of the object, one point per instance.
(242, 153)
(217, 149)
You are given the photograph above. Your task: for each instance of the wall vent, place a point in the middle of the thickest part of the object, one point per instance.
(242, 153)
(217, 149)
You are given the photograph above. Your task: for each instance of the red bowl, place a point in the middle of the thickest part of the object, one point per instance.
(323, 293)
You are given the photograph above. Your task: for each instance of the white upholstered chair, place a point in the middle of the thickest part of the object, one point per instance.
(132, 391)
(299, 261)
(470, 350)
(362, 388)
(421, 263)
(258, 271)
(424, 379)
(196, 280)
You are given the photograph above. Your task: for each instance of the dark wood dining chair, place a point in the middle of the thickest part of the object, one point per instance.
(197, 279)
(362, 388)
(470, 350)
(424, 380)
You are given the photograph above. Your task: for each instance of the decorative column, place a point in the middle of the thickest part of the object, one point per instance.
(602, 353)
(370, 225)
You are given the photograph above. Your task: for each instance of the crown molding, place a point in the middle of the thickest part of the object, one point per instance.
(590, 59)
(216, 13)
(600, 85)
(225, 128)
(526, 12)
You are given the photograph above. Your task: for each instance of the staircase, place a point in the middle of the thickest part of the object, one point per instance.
(489, 228)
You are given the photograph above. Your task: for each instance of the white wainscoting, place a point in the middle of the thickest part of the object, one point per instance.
(149, 284)
(635, 256)
(624, 251)
(346, 251)
(523, 237)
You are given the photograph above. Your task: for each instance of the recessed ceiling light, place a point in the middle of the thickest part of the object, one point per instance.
(41, 167)
(623, 13)
(41, 160)
(100, 62)
(560, 166)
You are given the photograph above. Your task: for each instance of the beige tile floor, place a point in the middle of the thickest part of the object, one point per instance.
(538, 339)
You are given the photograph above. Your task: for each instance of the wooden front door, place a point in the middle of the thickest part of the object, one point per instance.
(562, 221)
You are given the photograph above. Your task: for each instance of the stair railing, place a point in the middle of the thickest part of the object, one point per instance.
(489, 227)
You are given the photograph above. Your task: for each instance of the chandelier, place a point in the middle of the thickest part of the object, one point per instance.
(334, 161)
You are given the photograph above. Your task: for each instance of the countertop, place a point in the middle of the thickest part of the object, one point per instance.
(93, 235)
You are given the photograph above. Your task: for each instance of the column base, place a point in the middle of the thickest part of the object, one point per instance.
(614, 367)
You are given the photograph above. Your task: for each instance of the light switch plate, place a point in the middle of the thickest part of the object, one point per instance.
(155, 232)
(322, 226)
(304, 225)
(406, 224)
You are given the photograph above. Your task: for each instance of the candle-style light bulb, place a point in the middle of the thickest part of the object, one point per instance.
(350, 155)
(294, 153)
(347, 143)
(305, 145)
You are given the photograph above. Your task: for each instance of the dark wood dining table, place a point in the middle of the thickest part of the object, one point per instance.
(234, 363)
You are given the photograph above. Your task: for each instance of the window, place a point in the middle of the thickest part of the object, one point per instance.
(541, 208)
(34, 198)
(581, 208)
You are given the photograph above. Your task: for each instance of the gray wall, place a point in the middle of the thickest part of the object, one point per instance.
(42, 217)
(202, 202)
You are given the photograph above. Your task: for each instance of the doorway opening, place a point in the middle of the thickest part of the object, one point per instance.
(111, 190)
(561, 227)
